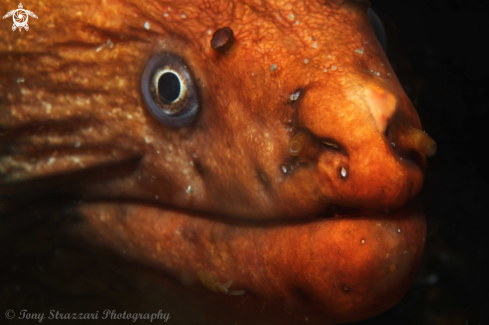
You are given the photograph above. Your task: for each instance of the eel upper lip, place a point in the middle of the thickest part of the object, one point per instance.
(66, 188)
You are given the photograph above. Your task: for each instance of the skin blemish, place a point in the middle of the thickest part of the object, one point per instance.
(333, 67)
(222, 39)
(306, 61)
(343, 172)
(146, 25)
(398, 230)
(273, 67)
(183, 16)
(363, 241)
(189, 190)
(291, 17)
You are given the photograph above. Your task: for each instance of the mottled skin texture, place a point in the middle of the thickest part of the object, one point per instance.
(80, 106)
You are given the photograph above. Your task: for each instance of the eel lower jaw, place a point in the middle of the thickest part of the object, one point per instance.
(330, 270)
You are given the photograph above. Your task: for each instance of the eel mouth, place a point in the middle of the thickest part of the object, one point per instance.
(343, 265)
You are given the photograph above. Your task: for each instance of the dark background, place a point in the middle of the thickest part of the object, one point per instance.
(440, 52)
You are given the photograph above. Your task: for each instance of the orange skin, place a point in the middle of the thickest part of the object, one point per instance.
(209, 202)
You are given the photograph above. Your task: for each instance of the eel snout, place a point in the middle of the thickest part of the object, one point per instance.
(367, 141)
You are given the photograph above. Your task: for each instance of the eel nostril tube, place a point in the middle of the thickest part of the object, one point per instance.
(303, 145)
(417, 140)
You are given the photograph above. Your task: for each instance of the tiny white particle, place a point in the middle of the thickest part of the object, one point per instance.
(377, 73)
(183, 16)
(398, 230)
(189, 190)
(19, 80)
(194, 155)
(157, 151)
(165, 14)
(363, 241)
(360, 51)
(294, 96)
(291, 17)
(98, 49)
(315, 45)
(109, 43)
(273, 67)
(333, 67)
(306, 61)
(284, 169)
(297, 22)
(252, 74)
(325, 69)
(146, 25)
(393, 144)
(343, 172)
(146, 139)
(209, 32)
(329, 56)
(371, 70)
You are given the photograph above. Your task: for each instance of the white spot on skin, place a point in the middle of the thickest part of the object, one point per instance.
(183, 16)
(273, 67)
(165, 14)
(51, 160)
(146, 25)
(363, 241)
(191, 163)
(109, 43)
(360, 51)
(189, 190)
(343, 172)
(291, 17)
(333, 67)
(398, 230)
(284, 169)
(325, 69)
(209, 32)
(294, 96)
(306, 61)
(19, 80)
(315, 45)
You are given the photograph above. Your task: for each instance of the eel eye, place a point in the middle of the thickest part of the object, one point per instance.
(169, 91)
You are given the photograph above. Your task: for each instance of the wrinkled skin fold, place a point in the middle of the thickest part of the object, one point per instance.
(327, 233)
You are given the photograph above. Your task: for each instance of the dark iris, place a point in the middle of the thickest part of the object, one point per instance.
(169, 87)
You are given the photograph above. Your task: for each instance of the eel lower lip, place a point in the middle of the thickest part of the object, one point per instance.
(331, 270)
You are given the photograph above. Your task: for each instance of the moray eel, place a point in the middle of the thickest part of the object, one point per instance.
(262, 155)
